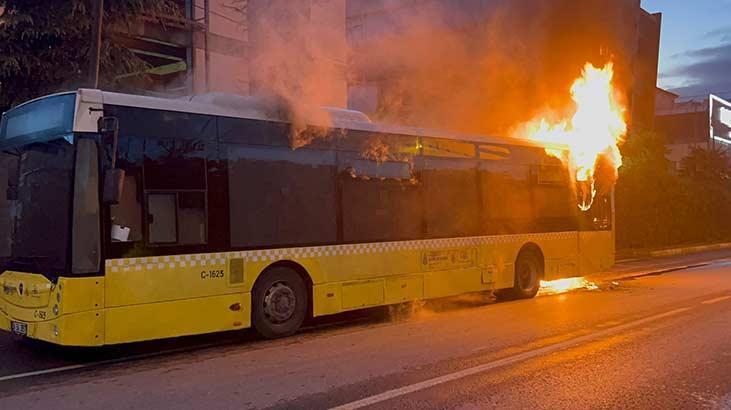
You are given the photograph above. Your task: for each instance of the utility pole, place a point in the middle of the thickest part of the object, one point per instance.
(207, 21)
(97, 15)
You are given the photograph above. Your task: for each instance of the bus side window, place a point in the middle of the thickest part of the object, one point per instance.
(450, 188)
(507, 203)
(380, 193)
(127, 215)
(191, 218)
(161, 218)
(176, 185)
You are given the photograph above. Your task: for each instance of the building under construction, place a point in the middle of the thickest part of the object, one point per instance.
(227, 45)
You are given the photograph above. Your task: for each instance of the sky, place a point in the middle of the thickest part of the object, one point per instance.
(695, 46)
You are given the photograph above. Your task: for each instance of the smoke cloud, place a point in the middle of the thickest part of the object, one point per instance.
(465, 65)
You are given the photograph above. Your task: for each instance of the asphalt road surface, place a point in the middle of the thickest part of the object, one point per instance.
(662, 340)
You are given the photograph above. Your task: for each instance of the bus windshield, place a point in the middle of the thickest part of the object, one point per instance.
(35, 206)
(36, 180)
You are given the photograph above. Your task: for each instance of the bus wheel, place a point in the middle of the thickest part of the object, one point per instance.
(279, 303)
(528, 274)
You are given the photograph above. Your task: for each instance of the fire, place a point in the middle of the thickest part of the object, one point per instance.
(564, 285)
(595, 130)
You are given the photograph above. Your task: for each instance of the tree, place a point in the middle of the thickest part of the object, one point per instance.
(44, 44)
(645, 192)
(707, 187)
(656, 207)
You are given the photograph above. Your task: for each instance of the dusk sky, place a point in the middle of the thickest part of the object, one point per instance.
(695, 50)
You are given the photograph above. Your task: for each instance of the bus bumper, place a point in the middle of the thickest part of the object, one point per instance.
(69, 312)
(88, 328)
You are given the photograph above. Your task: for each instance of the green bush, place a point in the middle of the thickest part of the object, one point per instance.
(658, 207)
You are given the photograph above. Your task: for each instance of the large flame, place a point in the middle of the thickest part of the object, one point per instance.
(594, 131)
(565, 285)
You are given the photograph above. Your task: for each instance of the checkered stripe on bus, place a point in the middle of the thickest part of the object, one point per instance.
(220, 259)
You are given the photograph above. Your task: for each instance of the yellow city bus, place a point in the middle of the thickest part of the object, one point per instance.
(128, 218)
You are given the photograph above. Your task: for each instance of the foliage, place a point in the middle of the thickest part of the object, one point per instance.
(44, 44)
(658, 207)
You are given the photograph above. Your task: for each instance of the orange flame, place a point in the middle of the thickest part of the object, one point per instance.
(565, 285)
(595, 130)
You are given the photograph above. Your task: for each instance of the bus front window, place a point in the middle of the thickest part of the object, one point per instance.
(8, 187)
(38, 213)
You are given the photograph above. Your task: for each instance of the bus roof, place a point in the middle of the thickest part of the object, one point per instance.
(237, 106)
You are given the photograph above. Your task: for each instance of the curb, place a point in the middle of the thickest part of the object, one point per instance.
(677, 251)
(620, 276)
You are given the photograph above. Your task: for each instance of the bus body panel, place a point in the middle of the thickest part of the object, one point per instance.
(135, 281)
(184, 299)
(596, 251)
(177, 318)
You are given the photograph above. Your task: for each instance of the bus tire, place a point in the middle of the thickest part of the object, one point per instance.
(528, 274)
(279, 303)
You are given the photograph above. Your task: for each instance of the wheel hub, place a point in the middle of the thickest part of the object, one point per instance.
(279, 303)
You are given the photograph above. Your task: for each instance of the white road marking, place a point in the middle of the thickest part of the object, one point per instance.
(378, 398)
(104, 362)
(42, 372)
(716, 300)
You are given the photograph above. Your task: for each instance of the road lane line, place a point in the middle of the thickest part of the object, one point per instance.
(716, 300)
(42, 372)
(401, 391)
(108, 362)
(160, 353)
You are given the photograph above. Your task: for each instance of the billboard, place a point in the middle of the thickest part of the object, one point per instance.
(720, 113)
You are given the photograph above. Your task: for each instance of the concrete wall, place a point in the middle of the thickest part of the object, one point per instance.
(296, 49)
(299, 50)
(227, 67)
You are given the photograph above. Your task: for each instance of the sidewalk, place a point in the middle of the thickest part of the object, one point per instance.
(628, 254)
(663, 261)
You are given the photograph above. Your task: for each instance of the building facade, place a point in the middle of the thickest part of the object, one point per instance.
(243, 47)
(692, 123)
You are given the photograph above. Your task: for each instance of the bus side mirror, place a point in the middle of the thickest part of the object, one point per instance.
(113, 177)
(108, 127)
(113, 186)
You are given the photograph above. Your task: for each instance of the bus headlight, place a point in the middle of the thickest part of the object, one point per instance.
(55, 310)
(58, 297)
(55, 330)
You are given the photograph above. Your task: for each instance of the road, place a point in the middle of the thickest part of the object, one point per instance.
(662, 340)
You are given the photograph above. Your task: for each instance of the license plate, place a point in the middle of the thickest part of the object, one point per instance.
(19, 328)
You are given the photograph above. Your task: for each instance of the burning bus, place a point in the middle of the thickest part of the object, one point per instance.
(134, 218)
